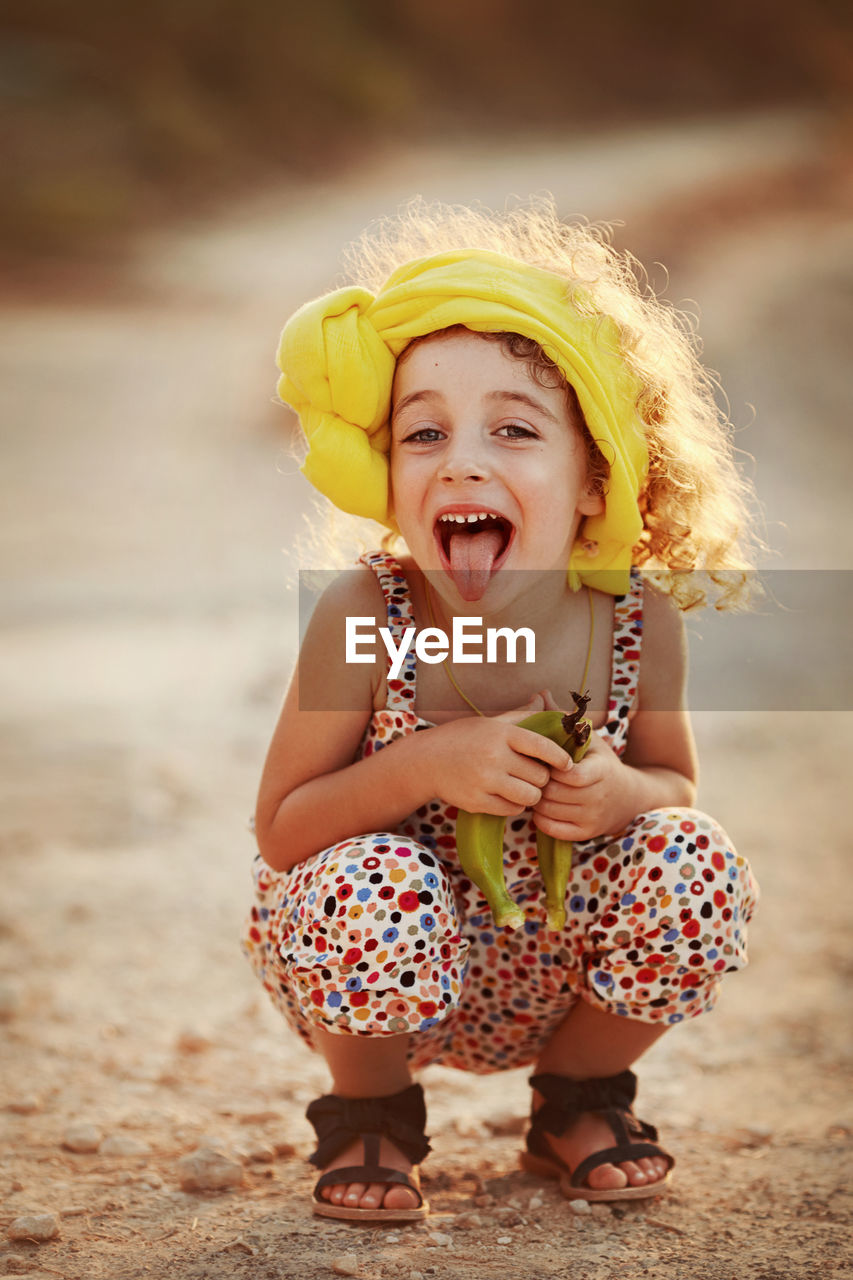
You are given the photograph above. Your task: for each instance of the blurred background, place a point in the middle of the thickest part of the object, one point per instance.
(178, 177)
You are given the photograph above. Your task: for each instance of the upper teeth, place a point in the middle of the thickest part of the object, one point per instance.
(469, 519)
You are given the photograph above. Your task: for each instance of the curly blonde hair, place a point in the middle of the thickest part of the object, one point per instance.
(698, 542)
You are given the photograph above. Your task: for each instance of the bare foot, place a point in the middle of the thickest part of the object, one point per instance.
(590, 1134)
(362, 1195)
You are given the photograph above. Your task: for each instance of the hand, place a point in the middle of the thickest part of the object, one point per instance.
(586, 799)
(489, 764)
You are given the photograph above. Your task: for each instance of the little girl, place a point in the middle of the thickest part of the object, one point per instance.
(536, 429)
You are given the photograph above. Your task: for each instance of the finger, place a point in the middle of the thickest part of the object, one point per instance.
(585, 774)
(517, 791)
(558, 793)
(560, 830)
(550, 704)
(500, 806)
(559, 811)
(532, 771)
(528, 743)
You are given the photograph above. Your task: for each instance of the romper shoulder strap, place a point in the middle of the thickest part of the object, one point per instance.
(400, 615)
(627, 644)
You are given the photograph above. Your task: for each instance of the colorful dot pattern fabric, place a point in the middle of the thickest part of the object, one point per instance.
(383, 933)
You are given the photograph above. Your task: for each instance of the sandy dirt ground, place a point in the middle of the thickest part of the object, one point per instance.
(152, 519)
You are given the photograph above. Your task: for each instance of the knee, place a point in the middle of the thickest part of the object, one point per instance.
(375, 938)
(691, 862)
(373, 895)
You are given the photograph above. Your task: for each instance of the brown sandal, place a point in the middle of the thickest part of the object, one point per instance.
(611, 1098)
(337, 1121)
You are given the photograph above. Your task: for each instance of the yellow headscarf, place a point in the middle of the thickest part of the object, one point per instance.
(338, 354)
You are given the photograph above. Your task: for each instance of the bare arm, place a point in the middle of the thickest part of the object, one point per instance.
(314, 792)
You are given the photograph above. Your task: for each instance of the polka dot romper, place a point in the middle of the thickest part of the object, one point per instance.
(383, 933)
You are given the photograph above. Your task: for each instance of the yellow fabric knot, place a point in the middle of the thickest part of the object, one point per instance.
(338, 354)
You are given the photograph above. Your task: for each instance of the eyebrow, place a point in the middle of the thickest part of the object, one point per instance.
(501, 397)
(414, 397)
(523, 398)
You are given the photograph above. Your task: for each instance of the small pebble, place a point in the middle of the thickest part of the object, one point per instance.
(258, 1117)
(536, 1202)
(121, 1144)
(470, 1127)
(82, 1138)
(25, 1106)
(467, 1220)
(345, 1265)
(38, 1227)
(191, 1041)
(504, 1240)
(580, 1206)
(440, 1238)
(209, 1169)
(507, 1124)
(260, 1151)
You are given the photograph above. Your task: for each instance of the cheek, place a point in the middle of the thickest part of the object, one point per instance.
(396, 479)
(404, 490)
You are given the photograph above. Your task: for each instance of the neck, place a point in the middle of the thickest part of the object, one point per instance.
(524, 599)
(543, 610)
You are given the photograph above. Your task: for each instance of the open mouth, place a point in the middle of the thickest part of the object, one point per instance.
(473, 545)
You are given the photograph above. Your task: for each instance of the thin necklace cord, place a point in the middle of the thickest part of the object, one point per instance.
(449, 669)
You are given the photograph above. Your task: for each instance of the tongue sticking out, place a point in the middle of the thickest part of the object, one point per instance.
(472, 556)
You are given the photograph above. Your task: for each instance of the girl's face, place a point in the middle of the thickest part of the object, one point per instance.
(488, 468)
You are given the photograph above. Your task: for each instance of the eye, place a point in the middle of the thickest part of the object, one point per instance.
(517, 431)
(422, 435)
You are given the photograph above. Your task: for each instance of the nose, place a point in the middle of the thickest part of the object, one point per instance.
(462, 461)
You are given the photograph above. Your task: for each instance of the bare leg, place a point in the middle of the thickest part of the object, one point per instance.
(367, 1067)
(590, 1044)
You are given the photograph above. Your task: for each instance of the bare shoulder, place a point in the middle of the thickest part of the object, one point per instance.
(663, 621)
(324, 672)
(353, 591)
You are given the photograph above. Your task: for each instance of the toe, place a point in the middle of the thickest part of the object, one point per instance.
(400, 1198)
(607, 1177)
(635, 1175)
(353, 1194)
(654, 1168)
